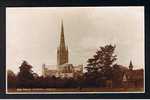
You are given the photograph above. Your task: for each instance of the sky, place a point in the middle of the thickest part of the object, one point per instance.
(33, 34)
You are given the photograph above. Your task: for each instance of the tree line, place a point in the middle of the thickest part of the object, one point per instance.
(101, 71)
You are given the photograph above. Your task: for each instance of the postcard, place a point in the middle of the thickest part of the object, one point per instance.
(63, 50)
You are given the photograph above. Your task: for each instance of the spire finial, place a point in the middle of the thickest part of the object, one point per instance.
(131, 65)
(62, 27)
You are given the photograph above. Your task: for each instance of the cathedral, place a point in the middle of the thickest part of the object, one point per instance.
(63, 68)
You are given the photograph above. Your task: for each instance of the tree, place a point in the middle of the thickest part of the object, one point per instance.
(117, 76)
(25, 77)
(101, 63)
(11, 78)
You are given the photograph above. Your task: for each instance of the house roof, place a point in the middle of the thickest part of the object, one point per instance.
(135, 74)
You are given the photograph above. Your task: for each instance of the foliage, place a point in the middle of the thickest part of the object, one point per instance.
(103, 59)
(25, 76)
(99, 67)
(11, 77)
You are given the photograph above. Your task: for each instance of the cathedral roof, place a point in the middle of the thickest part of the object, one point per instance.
(66, 64)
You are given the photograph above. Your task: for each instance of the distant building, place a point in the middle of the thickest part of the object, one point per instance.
(133, 78)
(46, 71)
(63, 68)
(127, 76)
(66, 70)
(63, 71)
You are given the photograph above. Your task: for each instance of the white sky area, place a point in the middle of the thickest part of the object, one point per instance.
(33, 34)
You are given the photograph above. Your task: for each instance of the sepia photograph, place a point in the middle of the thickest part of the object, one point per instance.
(75, 50)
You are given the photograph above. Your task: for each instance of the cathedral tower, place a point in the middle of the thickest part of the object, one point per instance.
(62, 50)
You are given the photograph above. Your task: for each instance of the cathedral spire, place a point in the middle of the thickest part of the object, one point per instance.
(62, 38)
(62, 51)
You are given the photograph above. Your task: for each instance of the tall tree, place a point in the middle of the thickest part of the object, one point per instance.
(102, 61)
